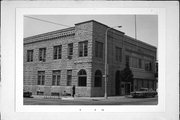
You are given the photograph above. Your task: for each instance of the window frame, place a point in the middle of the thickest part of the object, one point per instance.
(70, 50)
(98, 79)
(83, 49)
(42, 54)
(140, 63)
(148, 65)
(56, 74)
(57, 52)
(118, 54)
(41, 78)
(81, 78)
(99, 46)
(69, 81)
(128, 60)
(30, 54)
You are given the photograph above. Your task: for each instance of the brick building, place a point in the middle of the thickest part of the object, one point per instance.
(55, 61)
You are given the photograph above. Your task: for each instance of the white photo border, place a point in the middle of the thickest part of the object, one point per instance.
(12, 108)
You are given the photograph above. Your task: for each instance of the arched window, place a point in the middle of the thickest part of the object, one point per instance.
(98, 79)
(82, 78)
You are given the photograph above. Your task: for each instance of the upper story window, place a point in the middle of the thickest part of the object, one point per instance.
(127, 60)
(83, 49)
(29, 55)
(41, 77)
(140, 63)
(42, 54)
(56, 76)
(70, 51)
(148, 66)
(99, 49)
(118, 54)
(57, 52)
(134, 62)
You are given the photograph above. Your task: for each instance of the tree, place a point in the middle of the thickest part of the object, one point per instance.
(126, 74)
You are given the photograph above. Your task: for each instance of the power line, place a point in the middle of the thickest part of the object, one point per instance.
(57, 23)
(47, 21)
(54, 23)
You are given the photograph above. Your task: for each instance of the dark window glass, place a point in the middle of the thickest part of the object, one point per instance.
(83, 49)
(29, 55)
(134, 62)
(118, 54)
(58, 79)
(41, 77)
(53, 80)
(99, 49)
(140, 63)
(148, 66)
(70, 50)
(98, 79)
(42, 54)
(56, 76)
(57, 52)
(69, 77)
(82, 78)
(127, 60)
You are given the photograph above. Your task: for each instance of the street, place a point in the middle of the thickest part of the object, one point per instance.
(121, 100)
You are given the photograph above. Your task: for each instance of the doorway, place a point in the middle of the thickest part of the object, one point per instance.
(118, 83)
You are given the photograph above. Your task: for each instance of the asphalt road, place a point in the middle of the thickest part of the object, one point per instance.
(101, 101)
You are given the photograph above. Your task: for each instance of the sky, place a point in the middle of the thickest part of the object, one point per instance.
(146, 25)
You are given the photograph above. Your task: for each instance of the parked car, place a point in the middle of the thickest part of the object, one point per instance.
(144, 92)
(27, 94)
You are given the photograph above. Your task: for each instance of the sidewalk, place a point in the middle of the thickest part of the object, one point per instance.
(80, 98)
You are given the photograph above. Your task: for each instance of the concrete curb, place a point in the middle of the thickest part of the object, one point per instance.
(78, 98)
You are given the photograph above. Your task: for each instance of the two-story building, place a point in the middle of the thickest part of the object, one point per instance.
(55, 61)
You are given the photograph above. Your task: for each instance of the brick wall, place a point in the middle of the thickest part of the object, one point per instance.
(90, 31)
(83, 33)
(118, 39)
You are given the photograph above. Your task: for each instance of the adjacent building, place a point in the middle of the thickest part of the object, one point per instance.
(55, 61)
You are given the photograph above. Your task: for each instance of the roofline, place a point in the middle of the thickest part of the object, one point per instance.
(141, 41)
(73, 28)
(100, 24)
(50, 33)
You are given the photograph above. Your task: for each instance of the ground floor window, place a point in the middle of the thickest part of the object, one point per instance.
(56, 76)
(145, 83)
(82, 78)
(41, 77)
(69, 77)
(98, 79)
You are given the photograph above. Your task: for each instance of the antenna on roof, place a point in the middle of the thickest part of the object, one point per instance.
(136, 32)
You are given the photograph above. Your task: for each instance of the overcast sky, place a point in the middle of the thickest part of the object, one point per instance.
(147, 25)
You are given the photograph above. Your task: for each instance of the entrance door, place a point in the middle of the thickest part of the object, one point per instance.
(117, 83)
